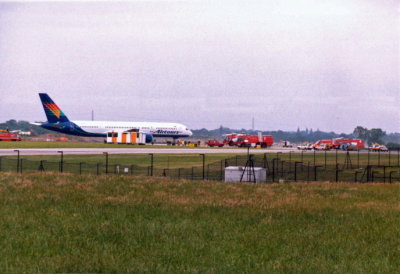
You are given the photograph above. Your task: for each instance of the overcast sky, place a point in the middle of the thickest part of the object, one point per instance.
(327, 64)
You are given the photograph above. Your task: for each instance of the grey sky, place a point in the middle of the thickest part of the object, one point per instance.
(327, 64)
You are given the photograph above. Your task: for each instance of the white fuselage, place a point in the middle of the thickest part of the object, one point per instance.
(174, 130)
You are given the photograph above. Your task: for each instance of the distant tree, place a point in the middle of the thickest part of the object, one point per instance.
(361, 132)
(24, 126)
(375, 135)
(393, 146)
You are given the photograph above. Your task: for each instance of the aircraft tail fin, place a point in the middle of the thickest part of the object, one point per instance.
(53, 112)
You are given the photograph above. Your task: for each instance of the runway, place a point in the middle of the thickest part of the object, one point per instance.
(87, 151)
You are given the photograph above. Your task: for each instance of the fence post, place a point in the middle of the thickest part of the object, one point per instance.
(61, 161)
(179, 173)
(97, 169)
(379, 157)
(358, 158)
(314, 157)
(369, 152)
(192, 173)
(389, 156)
(325, 158)
(398, 157)
(106, 154)
(131, 169)
(373, 175)
(221, 169)
(295, 170)
(17, 150)
(315, 172)
(282, 163)
(208, 169)
(151, 164)
(0, 162)
(204, 165)
(384, 174)
(368, 173)
(337, 173)
(265, 160)
(336, 156)
(80, 168)
(20, 169)
(273, 169)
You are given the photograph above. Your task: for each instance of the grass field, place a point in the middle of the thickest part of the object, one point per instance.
(189, 166)
(187, 160)
(65, 223)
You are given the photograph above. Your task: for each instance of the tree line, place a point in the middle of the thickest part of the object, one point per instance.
(374, 135)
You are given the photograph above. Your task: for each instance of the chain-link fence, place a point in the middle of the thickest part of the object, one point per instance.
(279, 167)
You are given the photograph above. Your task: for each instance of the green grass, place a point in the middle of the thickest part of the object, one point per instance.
(65, 223)
(184, 160)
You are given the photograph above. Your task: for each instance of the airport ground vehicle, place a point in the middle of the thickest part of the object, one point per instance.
(287, 144)
(6, 136)
(377, 147)
(244, 140)
(322, 146)
(305, 146)
(214, 143)
(348, 144)
(126, 137)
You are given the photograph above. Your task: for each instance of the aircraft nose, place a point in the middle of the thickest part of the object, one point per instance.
(190, 133)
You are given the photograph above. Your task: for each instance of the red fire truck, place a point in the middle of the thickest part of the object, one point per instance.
(214, 143)
(6, 136)
(244, 140)
(348, 144)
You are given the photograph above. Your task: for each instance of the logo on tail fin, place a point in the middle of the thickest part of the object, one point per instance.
(54, 109)
(53, 112)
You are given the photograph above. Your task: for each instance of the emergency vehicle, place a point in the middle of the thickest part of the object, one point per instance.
(6, 136)
(214, 143)
(323, 145)
(348, 144)
(244, 140)
(133, 136)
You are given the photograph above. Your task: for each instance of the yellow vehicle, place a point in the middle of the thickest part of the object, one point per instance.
(378, 147)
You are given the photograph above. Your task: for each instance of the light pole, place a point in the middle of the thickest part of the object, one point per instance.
(62, 161)
(106, 154)
(151, 163)
(204, 163)
(17, 150)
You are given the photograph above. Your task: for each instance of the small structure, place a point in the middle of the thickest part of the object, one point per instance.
(132, 136)
(234, 174)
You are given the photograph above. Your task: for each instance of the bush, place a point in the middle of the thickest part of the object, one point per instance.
(393, 146)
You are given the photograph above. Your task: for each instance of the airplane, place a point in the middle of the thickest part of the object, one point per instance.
(58, 121)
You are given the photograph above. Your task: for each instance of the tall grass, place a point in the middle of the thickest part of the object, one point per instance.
(65, 223)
